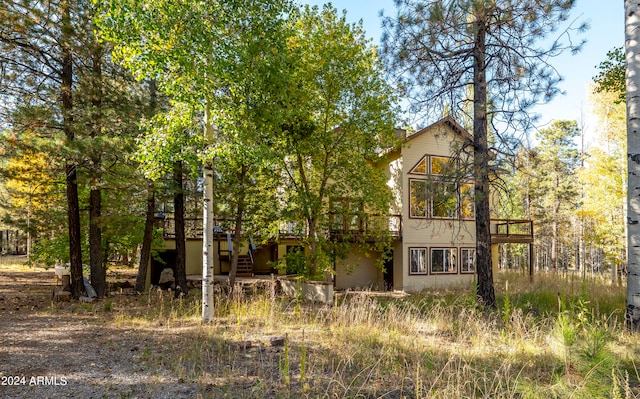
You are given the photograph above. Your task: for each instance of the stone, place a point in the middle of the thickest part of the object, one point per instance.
(277, 341)
(87, 299)
(244, 345)
(62, 296)
(166, 278)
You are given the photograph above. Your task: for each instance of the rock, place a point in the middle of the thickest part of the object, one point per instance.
(277, 341)
(87, 299)
(244, 345)
(166, 278)
(62, 296)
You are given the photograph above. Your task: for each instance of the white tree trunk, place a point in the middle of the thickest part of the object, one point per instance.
(632, 46)
(207, 233)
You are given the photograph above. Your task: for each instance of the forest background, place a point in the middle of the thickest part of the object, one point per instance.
(118, 143)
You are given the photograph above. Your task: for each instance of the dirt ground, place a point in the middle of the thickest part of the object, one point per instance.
(64, 350)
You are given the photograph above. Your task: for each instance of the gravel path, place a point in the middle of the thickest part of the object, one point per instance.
(50, 350)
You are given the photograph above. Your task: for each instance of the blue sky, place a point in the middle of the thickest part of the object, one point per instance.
(606, 19)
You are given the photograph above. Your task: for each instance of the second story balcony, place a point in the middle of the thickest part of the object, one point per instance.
(354, 228)
(511, 231)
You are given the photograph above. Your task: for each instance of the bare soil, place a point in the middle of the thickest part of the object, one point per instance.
(73, 350)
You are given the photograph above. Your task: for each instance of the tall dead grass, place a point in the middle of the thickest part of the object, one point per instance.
(558, 337)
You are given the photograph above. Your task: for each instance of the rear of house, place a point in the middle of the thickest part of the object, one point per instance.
(431, 225)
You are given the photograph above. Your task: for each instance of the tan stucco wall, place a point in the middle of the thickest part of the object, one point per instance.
(193, 261)
(430, 233)
(359, 270)
(495, 259)
(420, 283)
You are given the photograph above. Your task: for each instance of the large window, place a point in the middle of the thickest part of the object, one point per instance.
(467, 204)
(444, 260)
(417, 261)
(442, 166)
(347, 214)
(438, 195)
(467, 260)
(445, 200)
(418, 198)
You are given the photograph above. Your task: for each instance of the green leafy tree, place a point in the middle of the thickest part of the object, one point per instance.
(440, 48)
(611, 77)
(169, 148)
(344, 114)
(196, 52)
(38, 51)
(28, 180)
(554, 189)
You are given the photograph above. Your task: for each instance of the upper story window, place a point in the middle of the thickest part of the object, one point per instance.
(442, 166)
(441, 193)
(467, 204)
(421, 167)
(444, 200)
(347, 214)
(418, 198)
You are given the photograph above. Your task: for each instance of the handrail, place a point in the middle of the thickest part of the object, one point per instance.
(193, 226)
(351, 224)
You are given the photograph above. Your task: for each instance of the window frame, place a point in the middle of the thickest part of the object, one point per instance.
(427, 163)
(446, 161)
(454, 252)
(435, 192)
(471, 201)
(464, 207)
(463, 258)
(425, 251)
(426, 199)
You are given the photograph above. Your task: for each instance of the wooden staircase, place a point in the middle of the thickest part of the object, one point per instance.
(245, 262)
(245, 266)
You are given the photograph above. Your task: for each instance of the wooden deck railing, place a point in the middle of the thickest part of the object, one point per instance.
(370, 223)
(357, 226)
(511, 231)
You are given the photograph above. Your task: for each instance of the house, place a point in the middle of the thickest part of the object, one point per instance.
(434, 186)
(431, 224)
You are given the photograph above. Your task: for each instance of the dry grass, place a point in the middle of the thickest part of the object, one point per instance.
(435, 345)
(557, 338)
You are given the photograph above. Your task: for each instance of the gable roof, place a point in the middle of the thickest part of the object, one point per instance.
(447, 121)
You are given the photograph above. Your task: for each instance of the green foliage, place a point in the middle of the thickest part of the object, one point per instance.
(50, 251)
(338, 118)
(506, 306)
(553, 192)
(611, 75)
(92, 131)
(585, 339)
(284, 366)
(170, 136)
(295, 262)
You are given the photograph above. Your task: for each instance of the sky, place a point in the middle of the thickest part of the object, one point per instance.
(606, 21)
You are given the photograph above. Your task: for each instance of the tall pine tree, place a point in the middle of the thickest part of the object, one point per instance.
(438, 49)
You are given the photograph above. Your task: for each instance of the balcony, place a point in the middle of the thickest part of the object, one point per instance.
(366, 227)
(511, 231)
(356, 228)
(341, 228)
